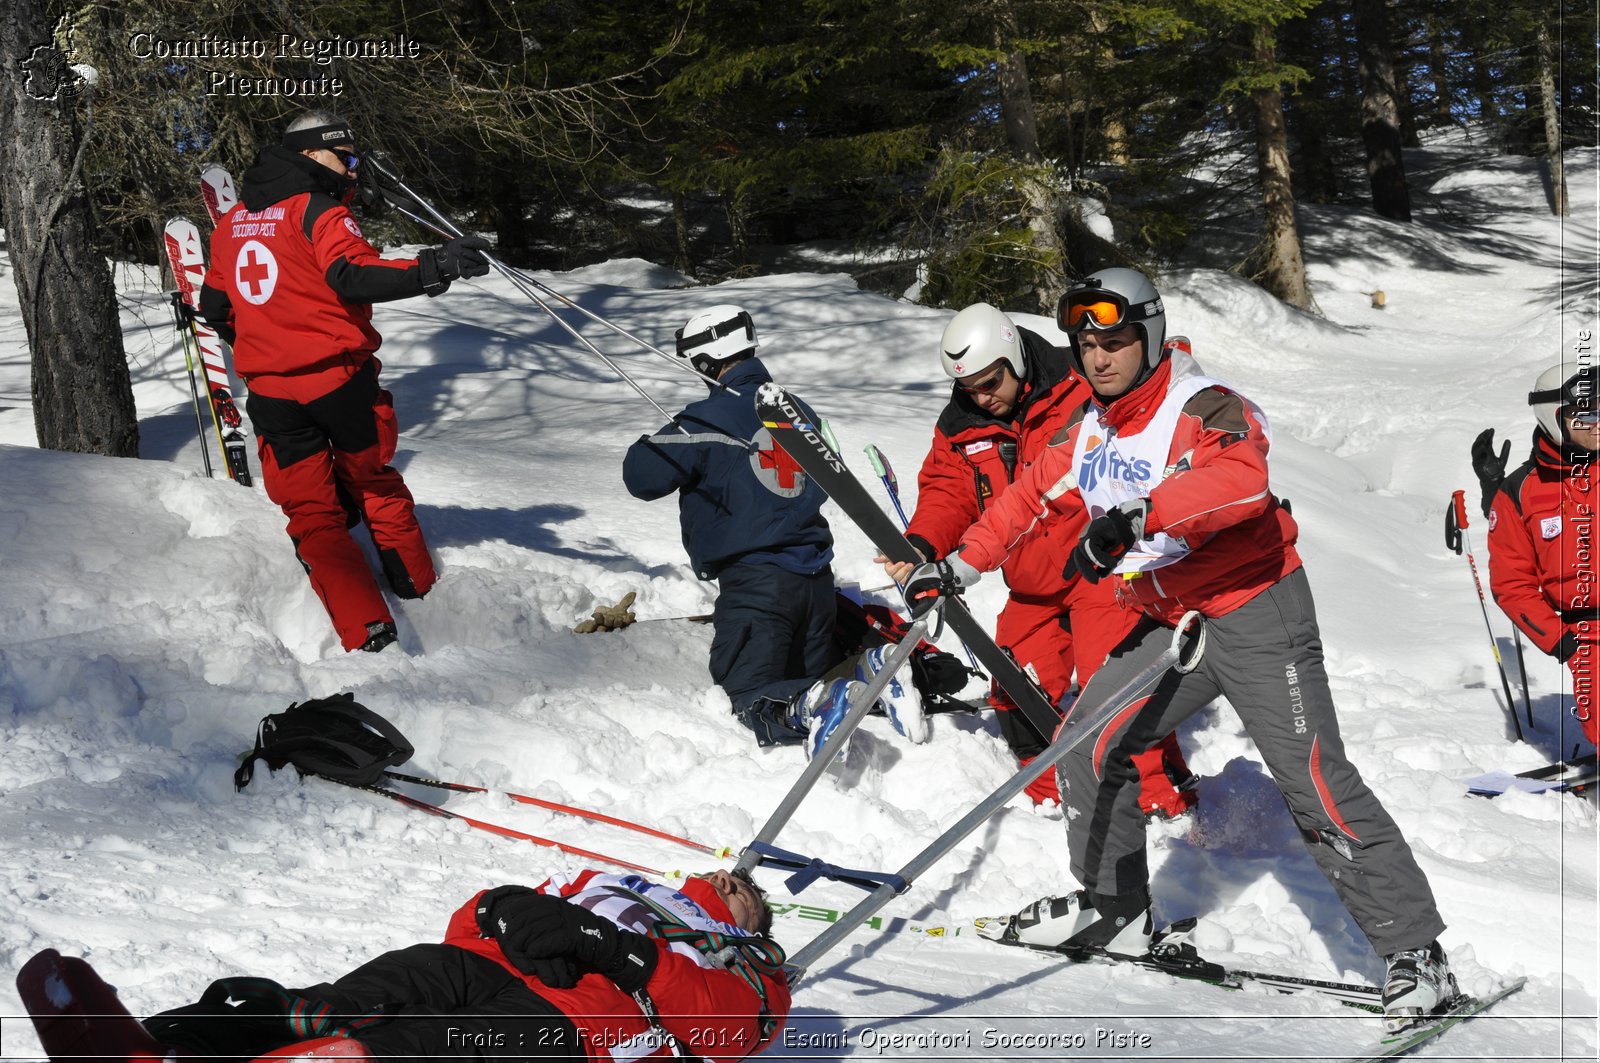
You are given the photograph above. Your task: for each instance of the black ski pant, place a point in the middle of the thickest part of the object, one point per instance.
(442, 1001)
(773, 638)
(1266, 658)
(435, 1001)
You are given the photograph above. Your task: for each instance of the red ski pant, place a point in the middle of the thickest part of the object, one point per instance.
(326, 464)
(1052, 637)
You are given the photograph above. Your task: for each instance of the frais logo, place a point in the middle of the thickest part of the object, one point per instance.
(1100, 463)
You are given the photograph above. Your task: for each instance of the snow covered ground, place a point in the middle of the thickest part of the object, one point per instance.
(153, 616)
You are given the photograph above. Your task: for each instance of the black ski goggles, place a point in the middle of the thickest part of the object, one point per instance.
(742, 322)
(1096, 308)
(1577, 394)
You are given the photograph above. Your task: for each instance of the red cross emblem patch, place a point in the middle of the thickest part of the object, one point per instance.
(777, 471)
(255, 273)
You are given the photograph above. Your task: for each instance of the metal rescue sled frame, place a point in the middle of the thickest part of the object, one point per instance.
(1082, 721)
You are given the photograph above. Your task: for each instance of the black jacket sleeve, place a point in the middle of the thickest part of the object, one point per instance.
(217, 309)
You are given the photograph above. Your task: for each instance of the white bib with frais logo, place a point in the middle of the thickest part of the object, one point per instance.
(1114, 468)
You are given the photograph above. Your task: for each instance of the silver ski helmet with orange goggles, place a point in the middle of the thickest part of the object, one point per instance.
(1106, 301)
(1565, 388)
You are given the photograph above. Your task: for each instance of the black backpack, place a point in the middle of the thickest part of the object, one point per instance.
(336, 738)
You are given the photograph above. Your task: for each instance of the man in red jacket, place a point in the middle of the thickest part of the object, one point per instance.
(1013, 392)
(1172, 468)
(291, 287)
(1542, 567)
(595, 968)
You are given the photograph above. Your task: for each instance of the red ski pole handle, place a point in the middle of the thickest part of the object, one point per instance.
(1455, 519)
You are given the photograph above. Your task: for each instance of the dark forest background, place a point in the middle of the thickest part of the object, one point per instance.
(961, 143)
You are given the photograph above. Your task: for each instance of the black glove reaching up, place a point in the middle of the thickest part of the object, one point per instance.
(934, 581)
(556, 941)
(462, 256)
(1107, 538)
(1490, 469)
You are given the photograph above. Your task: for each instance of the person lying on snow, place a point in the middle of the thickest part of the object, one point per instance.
(593, 967)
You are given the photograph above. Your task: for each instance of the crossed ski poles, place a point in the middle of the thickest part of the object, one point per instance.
(409, 203)
(1455, 537)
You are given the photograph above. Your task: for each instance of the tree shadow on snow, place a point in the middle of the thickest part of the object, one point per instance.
(534, 528)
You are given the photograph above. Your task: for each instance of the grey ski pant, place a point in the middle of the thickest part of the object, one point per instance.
(1266, 658)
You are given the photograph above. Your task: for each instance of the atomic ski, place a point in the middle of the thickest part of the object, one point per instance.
(804, 442)
(1170, 954)
(1458, 1010)
(186, 253)
(216, 188)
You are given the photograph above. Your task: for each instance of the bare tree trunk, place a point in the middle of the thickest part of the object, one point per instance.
(1022, 136)
(1281, 269)
(680, 229)
(1380, 112)
(1552, 122)
(1443, 93)
(82, 396)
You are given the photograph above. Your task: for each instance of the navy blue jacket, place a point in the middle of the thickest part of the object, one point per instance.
(740, 496)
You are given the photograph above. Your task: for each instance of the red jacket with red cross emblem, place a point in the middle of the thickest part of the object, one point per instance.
(1542, 550)
(703, 1000)
(975, 457)
(292, 280)
(1241, 538)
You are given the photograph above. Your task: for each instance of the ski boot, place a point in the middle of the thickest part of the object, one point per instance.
(1418, 983)
(1081, 922)
(900, 700)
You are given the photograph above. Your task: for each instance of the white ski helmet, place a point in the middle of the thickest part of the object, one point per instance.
(977, 338)
(1565, 385)
(717, 336)
(1106, 301)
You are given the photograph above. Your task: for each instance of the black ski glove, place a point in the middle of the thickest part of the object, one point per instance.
(1106, 539)
(557, 942)
(934, 581)
(1490, 469)
(462, 256)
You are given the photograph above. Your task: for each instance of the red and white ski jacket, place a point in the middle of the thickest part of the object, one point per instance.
(975, 458)
(292, 280)
(1542, 567)
(1213, 495)
(713, 1010)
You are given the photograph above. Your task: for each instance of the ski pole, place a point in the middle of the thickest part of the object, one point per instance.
(860, 705)
(186, 338)
(880, 465)
(1082, 723)
(443, 226)
(556, 806)
(520, 282)
(1455, 537)
(494, 828)
(885, 471)
(1522, 673)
